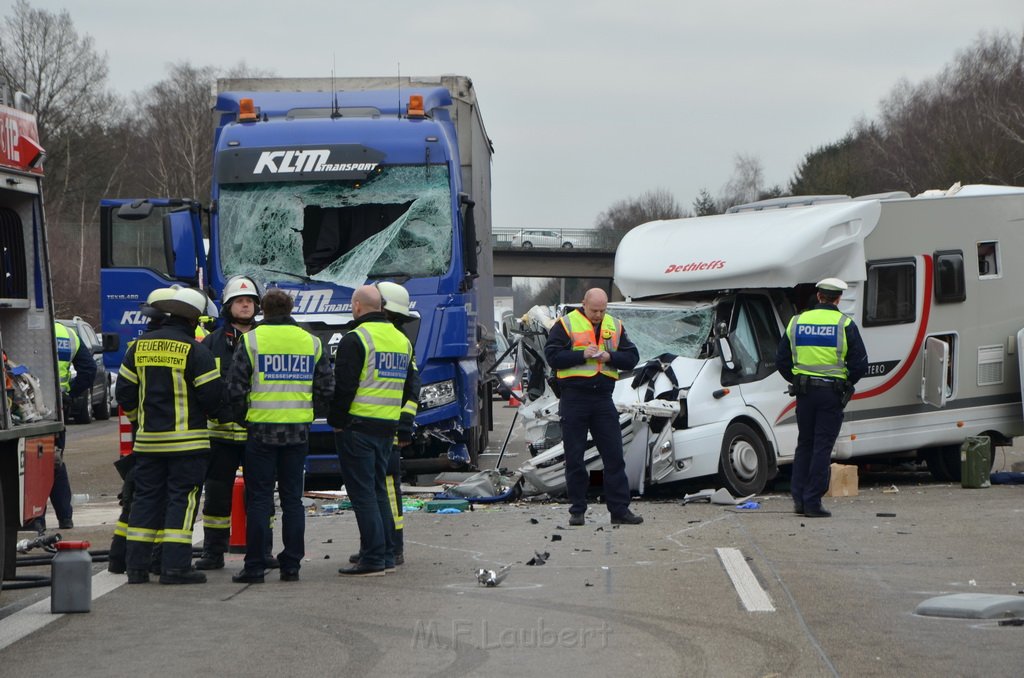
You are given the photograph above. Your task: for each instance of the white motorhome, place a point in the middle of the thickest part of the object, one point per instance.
(936, 286)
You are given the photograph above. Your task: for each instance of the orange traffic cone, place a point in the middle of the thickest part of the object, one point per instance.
(513, 401)
(236, 543)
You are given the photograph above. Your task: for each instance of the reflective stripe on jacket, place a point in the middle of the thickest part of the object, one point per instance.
(818, 340)
(67, 346)
(581, 332)
(283, 361)
(382, 379)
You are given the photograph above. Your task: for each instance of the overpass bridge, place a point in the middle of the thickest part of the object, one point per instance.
(554, 253)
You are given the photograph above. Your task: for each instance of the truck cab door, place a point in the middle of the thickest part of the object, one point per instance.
(936, 364)
(144, 245)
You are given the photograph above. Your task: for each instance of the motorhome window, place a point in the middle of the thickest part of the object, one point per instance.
(949, 277)
(988, 259)
(684, 332)
(13, 274)
(138, 243)
(397, 223)
(890, 293)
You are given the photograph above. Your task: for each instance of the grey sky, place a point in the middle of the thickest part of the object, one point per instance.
(586, 102)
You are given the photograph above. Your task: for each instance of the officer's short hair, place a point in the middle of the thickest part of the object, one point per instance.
(276, 303)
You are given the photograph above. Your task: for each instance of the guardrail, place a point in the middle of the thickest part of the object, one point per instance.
(554, 238)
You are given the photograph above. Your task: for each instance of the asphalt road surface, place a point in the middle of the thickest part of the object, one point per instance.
(696, 590)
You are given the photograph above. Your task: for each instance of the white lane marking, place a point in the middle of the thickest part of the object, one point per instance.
(36, 616)
(754, 598)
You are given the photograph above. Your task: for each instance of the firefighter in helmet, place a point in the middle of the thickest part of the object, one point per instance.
(169, 386)
(240, 304)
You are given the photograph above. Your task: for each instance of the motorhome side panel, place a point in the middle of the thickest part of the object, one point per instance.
(918, 257)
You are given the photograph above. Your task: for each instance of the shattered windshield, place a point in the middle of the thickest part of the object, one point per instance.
(682, 331)
(397, 222)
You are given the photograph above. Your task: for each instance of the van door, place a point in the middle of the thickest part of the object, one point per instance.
(756, 332)
(145, 244)
(936, 365)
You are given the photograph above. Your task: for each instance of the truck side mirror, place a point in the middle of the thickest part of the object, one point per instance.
(725, 353)
(469, 241)
(135, 211)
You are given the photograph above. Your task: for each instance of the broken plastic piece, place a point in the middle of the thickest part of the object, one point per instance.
(449, 510)
(491, 577)
(538, 558)
(748, 505)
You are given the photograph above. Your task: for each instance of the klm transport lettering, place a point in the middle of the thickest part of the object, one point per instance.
(314, 160)
(392, 365)
(286, 367)
(695, 266)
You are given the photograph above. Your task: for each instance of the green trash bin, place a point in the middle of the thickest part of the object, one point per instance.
(976, 462)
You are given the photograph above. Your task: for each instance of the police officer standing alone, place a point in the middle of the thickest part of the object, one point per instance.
(169, 385)
(822, 355)
(279, 377)
(587, 348)
(374, 378)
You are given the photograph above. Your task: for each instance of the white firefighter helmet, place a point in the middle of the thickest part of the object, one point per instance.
(159, 294)
(394, 298)
(240, 286)
(186, 303)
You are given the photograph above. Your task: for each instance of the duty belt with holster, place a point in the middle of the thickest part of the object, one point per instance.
(804, 382)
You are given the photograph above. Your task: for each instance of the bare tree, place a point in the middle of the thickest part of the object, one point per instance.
(745, 185)
(624, 215)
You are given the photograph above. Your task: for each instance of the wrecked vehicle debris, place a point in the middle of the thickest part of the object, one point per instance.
(491, 578)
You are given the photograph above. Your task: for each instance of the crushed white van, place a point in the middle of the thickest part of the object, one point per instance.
(936, 286)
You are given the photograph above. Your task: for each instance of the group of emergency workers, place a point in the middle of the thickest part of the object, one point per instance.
(204, 404)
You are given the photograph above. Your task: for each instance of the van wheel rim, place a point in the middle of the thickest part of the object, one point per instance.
(744, 460)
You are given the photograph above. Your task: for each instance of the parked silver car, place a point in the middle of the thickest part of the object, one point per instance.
(540, 238)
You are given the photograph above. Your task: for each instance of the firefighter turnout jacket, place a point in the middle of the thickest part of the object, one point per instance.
(169, 385)
(223, 342)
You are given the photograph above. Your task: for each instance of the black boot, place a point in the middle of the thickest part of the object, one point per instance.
(189, 576)
(138, 576)
(210, 561)
(115, 557)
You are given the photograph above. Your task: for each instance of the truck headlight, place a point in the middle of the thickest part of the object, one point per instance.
(437, 394)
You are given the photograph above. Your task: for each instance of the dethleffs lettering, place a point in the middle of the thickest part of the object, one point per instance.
(695, 266)
(312, 160)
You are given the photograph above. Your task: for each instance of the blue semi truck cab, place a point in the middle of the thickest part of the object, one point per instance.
(323, 185)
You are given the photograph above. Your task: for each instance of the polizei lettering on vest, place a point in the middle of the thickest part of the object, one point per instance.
(392, 365)
(816, 330)
(286, 367)
(312, 160)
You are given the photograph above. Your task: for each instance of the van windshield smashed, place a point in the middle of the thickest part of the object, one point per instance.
(397, 222)
(655, 330)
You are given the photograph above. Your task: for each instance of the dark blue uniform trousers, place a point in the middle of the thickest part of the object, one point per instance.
(819, 416)
(264, 464)
(583, 410)
(364, 468)
(166, 498)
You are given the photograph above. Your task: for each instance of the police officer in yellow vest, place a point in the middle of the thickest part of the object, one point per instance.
(169, 385)
(822, 355)
(70, 351)
(587, 348)
(240, 303)
(280, 377)
(374, 378)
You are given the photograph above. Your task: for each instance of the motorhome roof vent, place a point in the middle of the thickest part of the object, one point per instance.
(786, 201)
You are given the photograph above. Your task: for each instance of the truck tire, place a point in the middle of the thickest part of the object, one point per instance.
(102, 411)
(936, 466)
(743, 464)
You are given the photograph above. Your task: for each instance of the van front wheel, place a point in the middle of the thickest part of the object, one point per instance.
(743, 465)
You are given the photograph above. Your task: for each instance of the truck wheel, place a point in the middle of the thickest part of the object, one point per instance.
(743, 465)
(950, 459)
(102, 411)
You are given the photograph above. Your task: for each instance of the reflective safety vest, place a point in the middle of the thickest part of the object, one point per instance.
(581, 332)
(67, 346)
(382, 379)
(818, 341)
(283, 359)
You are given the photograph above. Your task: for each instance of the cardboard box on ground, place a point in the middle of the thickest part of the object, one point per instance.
(843, 481)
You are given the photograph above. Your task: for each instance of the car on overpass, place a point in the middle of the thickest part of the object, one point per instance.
(541, 238)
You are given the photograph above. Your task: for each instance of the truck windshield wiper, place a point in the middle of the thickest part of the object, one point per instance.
(398, 277)
(303, 278)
